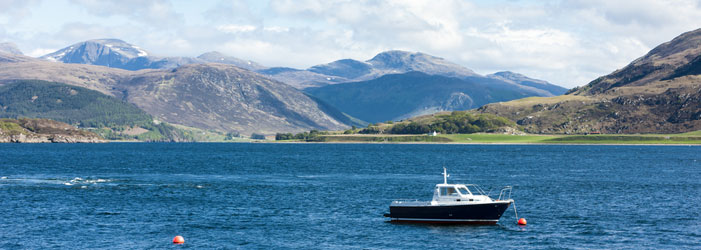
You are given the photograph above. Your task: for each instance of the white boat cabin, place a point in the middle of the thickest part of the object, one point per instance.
(458, 193)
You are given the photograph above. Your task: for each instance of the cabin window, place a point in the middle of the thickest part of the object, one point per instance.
(448, 191)
(464, 191)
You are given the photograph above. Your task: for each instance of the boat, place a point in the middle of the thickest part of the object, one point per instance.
(453, 204)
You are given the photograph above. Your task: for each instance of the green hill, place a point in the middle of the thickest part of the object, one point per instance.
(81, 107)
(456, 122)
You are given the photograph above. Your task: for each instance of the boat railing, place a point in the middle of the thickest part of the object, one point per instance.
(480, 190)
(409, 202)
(505, 193)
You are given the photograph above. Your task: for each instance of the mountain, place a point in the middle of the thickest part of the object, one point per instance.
(396, 85)
(520, 79)
(106, 52)
(217, 57)
(396, 61)
(219, 97)
(318, 81)
(659, 92)
(399, 96)
(346, 68)
(84, 108)
(115, 53)
(10, 48)
(225, 98)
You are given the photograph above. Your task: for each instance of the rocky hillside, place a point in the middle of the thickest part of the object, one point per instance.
(43, 131)
(668, 61)
(226, 98)
(207, 96)
(102, 79)
(657, 93)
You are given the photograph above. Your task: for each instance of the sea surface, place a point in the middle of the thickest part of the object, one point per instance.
(333, 196)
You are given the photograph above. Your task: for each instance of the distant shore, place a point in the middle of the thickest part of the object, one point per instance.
(480, 143)
(691, 139)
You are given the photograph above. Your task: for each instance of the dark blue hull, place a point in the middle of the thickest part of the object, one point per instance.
(488, 213)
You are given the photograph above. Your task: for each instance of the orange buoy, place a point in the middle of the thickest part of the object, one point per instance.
(522, 221)
(178, 240)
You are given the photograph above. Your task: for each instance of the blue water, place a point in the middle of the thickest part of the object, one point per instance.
(141, 195)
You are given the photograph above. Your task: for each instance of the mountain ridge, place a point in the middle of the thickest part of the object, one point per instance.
(119, 54)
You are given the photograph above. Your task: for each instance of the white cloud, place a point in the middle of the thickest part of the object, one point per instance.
(17, 8)
(565, 42)
(276, 29)
(234, 28)
(40, 52)
(154, 13)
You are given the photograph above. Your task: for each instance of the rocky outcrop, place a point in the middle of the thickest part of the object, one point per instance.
(40, 138)
(43, 131)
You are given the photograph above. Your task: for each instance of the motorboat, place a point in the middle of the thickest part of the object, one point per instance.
(454, 204)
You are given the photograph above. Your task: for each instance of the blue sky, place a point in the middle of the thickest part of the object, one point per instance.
(565, 42)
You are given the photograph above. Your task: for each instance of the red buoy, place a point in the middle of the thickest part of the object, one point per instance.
(522, 221)
(178, 240)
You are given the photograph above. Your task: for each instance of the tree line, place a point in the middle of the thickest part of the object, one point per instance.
(457, 122)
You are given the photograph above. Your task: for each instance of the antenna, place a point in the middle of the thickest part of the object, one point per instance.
(445, 176)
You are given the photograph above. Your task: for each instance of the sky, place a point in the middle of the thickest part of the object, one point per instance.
(568, 43)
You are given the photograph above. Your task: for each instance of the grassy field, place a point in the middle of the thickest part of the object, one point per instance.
(384, 138)
(530, 101)
(685, 138)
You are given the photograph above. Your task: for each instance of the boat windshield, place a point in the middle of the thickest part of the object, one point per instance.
(463, 191)
(475, 190)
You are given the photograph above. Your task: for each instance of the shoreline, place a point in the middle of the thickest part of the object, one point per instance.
(389, 143)
(484, 143)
